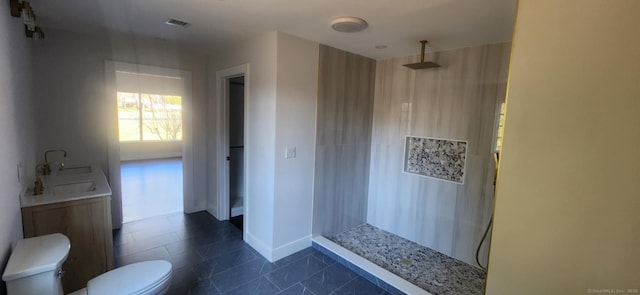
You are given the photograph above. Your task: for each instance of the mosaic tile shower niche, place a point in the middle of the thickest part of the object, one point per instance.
(434, 157)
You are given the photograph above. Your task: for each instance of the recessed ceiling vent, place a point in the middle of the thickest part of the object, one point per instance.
(176, 22)
(422, 64)
(348, 24)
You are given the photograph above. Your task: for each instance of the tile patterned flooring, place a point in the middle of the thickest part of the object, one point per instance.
(210, 257)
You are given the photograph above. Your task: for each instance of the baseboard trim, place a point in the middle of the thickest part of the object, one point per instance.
(237, 211)
(213, 211)
(258, 245)
(290, 248)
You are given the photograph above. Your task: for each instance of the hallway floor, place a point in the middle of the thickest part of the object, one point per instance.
(151, 188)
(210, 257)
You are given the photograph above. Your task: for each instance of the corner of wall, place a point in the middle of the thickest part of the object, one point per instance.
(264, 249)
(296, 97)
(290, 248)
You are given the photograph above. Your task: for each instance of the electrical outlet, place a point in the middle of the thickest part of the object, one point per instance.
(290, 153)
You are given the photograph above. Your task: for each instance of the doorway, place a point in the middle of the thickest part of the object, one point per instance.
(150, 146)
(236, 150)
(150, 137)
(233, 147)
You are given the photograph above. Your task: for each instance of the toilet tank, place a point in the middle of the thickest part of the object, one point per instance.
(35, 266)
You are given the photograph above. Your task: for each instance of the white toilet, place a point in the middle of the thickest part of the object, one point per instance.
(35, 267)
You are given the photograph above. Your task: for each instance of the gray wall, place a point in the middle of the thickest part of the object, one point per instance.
(457, 101)
(345, 104)
(16, 128)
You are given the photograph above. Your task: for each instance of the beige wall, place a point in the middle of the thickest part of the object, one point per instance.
(568, 201)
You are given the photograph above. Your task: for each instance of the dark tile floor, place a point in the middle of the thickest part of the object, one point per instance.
(209, 257)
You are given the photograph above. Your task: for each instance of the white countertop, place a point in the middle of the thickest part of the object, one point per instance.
(49, 196)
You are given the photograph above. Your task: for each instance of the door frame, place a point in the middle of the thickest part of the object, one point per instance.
(113, 144)
(222, 142)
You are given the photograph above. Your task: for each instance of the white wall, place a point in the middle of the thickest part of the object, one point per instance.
(260, 54)
(72, 111)
(16, 128)
(297, 85)
(281, 100)
(568, 200)
(145, 150)
(69, 97)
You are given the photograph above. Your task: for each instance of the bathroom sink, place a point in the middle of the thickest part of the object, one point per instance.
(75, 170)
(74, 188)
(72, 183)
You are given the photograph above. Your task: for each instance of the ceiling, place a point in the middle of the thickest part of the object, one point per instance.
(398, 24)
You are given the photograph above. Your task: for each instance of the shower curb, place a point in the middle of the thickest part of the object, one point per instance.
(372, 272)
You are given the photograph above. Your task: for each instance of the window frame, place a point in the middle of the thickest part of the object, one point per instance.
(141, 117)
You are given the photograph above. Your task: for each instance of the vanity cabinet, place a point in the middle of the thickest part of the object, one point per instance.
(87, 224)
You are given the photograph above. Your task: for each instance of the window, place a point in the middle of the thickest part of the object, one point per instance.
(149, 117)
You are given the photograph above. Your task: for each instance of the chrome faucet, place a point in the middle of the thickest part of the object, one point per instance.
(46, 166)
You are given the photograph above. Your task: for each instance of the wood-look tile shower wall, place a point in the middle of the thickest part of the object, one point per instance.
(457, 101)
(343, 142)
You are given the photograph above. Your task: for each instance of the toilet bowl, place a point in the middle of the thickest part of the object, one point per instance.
(35, 267)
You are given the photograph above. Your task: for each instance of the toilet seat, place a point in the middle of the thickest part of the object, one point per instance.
(136, 278)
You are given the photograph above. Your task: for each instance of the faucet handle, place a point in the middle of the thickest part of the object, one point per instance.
(60, 164)
(46, 168)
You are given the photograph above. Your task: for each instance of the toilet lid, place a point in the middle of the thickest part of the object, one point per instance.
(36, 255)
(130, 279)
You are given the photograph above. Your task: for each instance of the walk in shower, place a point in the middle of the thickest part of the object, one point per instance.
(404, 167)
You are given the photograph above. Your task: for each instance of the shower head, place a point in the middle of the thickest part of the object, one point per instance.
(422, 64)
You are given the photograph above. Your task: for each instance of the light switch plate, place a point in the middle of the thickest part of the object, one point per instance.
(290, 152)
(20, 172)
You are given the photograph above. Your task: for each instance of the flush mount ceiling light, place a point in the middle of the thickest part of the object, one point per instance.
(348, 24)
(176, 22)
